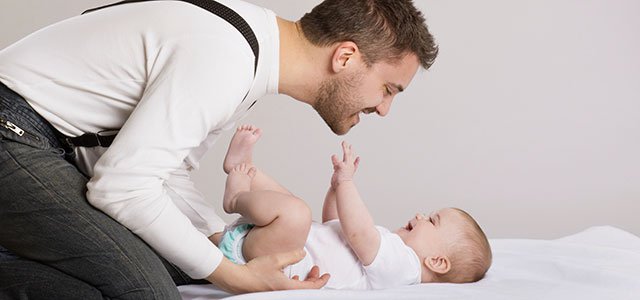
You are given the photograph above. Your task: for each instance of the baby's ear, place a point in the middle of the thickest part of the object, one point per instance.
(438, 264)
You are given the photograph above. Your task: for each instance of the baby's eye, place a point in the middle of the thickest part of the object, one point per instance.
(387, 91)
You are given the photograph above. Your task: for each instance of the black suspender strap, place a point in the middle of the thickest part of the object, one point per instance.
(105, 138)
(92, 139)
(219, 10)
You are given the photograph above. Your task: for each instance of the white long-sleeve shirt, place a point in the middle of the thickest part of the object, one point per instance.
(172, 76)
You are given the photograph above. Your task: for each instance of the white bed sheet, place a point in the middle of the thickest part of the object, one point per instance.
(598, 263)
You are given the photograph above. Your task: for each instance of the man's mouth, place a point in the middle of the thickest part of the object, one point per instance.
(357, 119)
(369, 110)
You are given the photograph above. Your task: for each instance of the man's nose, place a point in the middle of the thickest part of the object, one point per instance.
(383, 108)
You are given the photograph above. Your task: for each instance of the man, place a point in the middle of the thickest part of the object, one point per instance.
(170, 76)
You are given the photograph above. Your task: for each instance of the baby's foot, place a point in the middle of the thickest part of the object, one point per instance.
(241, 147)
(238, 180)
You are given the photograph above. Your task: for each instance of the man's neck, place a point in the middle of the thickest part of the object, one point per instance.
(301, 63)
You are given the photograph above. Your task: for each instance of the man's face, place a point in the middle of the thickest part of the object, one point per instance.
(342, 98)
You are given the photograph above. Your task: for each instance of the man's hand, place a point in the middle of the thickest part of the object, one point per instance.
(264, 274)
(344, 169)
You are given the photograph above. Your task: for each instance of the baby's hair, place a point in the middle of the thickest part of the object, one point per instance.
(469, 253)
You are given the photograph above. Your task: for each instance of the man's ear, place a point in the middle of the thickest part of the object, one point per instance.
(343, 55)
(438, 264)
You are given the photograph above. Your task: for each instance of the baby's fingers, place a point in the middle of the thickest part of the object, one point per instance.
(334, 160)
(348, 153)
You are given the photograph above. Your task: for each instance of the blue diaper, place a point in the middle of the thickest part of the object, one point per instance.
(232, 241)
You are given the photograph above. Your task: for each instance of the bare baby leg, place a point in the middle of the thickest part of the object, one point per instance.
(282, 221)
(241, 151)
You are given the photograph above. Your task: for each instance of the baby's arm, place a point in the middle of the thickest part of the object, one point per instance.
(329, 209)
(355, 220)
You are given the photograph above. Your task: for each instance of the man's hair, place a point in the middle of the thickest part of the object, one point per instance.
(469, 252)
(384, 30)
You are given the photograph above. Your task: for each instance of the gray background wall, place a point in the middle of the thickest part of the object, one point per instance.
(529, 120)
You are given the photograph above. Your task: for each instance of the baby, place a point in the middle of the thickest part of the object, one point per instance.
(445, 246)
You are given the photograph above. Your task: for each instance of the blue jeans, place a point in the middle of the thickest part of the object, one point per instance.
(59, 246)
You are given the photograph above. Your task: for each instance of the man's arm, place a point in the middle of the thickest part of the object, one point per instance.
(173, 117)
(355, 219)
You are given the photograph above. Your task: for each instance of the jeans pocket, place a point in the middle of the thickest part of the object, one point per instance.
(28, 139)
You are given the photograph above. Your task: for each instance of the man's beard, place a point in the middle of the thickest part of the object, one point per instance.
(336, 103)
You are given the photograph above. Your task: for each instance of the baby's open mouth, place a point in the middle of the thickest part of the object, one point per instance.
(409, 226)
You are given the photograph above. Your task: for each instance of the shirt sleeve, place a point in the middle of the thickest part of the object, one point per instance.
(192, 203)
(191, 91)
(395, 264)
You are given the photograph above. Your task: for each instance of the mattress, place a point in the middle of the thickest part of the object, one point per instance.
(600, 262)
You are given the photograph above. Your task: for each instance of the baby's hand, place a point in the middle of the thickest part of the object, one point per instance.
(344, 170)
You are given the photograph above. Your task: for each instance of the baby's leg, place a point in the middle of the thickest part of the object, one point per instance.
(285, 229)
(241, 151)
(282, 220)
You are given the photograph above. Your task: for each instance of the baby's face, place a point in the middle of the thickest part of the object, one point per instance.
(428, 235)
